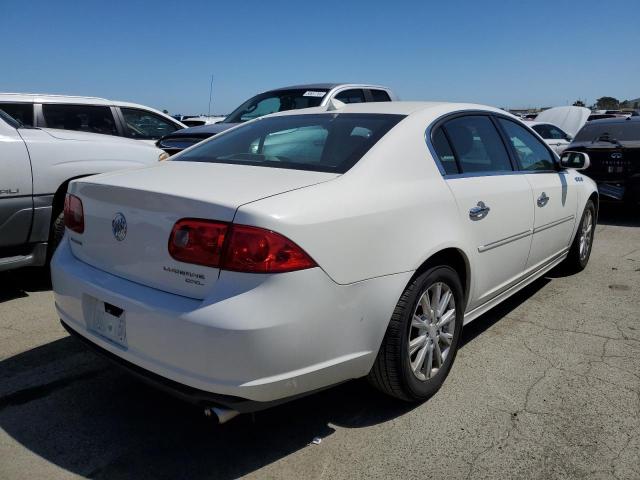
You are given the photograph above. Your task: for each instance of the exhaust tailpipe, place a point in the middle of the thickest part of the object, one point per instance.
(222, 414)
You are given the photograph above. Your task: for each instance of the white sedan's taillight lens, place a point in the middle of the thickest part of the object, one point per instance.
(239, 248)
(73, 213)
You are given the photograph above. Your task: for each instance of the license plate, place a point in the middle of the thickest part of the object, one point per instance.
(109, 321)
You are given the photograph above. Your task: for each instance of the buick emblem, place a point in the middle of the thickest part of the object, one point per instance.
(119, 227)
(616, 155)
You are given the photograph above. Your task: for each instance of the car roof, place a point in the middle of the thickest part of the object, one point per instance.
(395, 108)
(327, 86)
(605, 121)
(73, 99)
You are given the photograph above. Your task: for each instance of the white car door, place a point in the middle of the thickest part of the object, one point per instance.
(554, 196)
(494, 204)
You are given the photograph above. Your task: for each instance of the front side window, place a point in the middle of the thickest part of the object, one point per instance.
(84, 118)
(145, 125)
(23, 112)
(532, 153)
(355, 95)
(276, 101)
(477, 144)
(317, 142)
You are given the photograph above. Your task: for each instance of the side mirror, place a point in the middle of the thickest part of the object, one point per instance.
(575, 160)
(568, 138)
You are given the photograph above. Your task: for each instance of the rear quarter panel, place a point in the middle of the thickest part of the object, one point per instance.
(386, 215)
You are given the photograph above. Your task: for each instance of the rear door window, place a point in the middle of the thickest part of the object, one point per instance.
(379, 95)
(84, 118)
(145, 125)
(23, 112)
(444, 152)
(355, 95)
(477, 145)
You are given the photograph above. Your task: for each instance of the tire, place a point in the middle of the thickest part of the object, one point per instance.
(55, 235)
(578, 257)
(393, 370)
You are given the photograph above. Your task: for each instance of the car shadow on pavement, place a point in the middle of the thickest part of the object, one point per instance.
(90, 418)
(19, 283)
(618, 214)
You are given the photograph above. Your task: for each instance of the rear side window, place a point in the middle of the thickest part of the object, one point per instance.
(23, 112)
(84, 118)
(532, 153)
(317, 142)
(477, 144)
(351, 96)
(444, 152)
(380, 96)
(144, 125)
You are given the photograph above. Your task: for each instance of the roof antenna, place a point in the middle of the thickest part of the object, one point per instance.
(334, 104)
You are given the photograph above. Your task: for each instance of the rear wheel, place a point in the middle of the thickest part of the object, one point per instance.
(55, 235)
(580, 250)
(422, 338)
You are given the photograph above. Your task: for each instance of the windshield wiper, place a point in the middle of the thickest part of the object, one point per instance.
(607, 139)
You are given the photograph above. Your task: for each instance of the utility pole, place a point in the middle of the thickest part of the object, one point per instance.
(210, 92)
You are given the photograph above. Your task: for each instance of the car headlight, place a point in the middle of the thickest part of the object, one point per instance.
(163, 156)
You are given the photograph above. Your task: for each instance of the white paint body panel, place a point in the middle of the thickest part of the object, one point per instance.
(266, 337)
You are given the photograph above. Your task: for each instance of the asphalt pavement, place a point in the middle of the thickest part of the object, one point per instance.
(545, 386)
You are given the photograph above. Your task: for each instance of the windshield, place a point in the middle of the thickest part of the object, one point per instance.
(321, 142)
(626, 131)
(276, 101)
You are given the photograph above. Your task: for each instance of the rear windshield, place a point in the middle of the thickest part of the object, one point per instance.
(276, 101)
(627, 130)
(322, 143)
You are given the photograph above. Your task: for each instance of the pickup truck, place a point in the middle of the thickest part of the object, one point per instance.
(36, 165)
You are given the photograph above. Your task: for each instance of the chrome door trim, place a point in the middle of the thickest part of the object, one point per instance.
(504, 241)
(555, 223)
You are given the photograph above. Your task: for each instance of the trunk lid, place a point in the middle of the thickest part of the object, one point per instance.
(152, 199)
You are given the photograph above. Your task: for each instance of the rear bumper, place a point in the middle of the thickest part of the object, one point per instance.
(261, 338)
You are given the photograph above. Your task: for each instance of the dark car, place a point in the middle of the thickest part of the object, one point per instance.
(613, 146)
(278, 100)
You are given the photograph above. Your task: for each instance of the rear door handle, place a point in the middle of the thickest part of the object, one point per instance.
(542, 199)
(479, 211)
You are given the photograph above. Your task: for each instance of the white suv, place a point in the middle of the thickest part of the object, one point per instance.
(89, 114)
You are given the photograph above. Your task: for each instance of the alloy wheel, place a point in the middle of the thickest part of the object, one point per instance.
(431, 331)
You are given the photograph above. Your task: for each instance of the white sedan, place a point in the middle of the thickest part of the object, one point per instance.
(555, 137)
(311, 247)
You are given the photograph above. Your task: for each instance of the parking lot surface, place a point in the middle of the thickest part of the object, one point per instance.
(547, 385)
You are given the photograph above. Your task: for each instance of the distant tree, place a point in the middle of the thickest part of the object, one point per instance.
(578, 103)
(165, 111)
(607, 103)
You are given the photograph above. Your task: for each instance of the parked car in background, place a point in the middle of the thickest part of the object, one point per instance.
(312, 247)
(278, 100)
(89, 114)
(555, 137)
(613, 146)
(36, 165)
(569, 119)
(199, 120)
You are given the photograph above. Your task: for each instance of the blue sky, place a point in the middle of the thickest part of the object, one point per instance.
(162, 53)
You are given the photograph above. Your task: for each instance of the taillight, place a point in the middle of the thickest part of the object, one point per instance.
(235, 247)
(252, 249)
(73, 213)
(198, 241)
